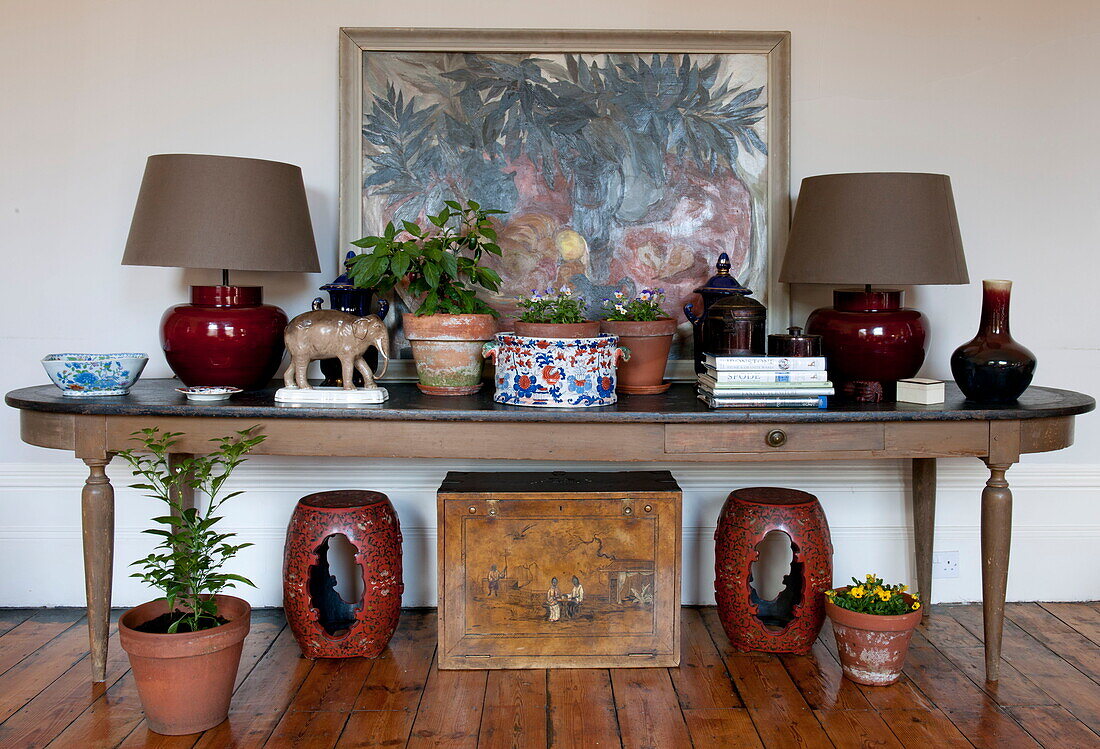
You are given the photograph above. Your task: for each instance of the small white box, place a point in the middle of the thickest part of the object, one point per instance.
(331, 396)
(920, 390)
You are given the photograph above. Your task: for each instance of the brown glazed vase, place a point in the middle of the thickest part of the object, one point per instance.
(447, 350)
(872, 647)
(587, 329)
(185, 681)
(649, 343)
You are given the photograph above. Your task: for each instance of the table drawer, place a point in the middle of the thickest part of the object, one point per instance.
(764, 438)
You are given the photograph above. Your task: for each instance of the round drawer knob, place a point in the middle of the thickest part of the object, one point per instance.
(472, 509)
(776, 438)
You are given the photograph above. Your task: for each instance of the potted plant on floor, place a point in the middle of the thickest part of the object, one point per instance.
(873, 624)
(439, 265)
(644, 328)
(557, 313)
(184, 648)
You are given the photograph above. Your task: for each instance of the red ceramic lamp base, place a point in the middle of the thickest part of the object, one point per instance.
(870, 342)
(226, 336)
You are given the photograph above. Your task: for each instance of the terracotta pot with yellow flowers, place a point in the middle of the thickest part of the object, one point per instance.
(873, 623)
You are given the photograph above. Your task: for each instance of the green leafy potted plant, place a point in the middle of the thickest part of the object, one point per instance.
(440, 265)
(557, 313)
(873, 623)
(644, 328)
(184, 648)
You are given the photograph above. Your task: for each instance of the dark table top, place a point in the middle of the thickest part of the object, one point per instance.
(157, 397)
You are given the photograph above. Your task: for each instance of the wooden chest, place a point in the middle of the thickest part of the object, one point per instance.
(559, 570)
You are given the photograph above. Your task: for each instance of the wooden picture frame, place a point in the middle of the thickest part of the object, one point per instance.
(768, 196)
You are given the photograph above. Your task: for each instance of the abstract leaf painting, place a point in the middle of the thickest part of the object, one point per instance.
(618, 170)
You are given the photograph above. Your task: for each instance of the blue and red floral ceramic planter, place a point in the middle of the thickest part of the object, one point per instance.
(555, 372)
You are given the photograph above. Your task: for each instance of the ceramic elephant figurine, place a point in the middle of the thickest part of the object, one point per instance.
(331, 334)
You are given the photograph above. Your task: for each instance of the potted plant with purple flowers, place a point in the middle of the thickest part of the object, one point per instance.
(556, 358)
(644, 328)
(557, 313)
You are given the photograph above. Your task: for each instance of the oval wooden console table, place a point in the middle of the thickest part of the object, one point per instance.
(671, 427)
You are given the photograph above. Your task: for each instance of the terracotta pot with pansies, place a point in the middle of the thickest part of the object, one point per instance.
(555, 313)
(649, 342)
(644, 328)
(872, 645)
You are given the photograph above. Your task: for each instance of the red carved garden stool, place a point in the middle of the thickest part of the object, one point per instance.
(790, 622)
(325, 625)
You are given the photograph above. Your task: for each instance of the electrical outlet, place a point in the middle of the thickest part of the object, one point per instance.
(945, 564)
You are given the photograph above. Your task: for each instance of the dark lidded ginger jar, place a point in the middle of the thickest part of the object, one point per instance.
(992, 367)
(735, 326)
(720, 285)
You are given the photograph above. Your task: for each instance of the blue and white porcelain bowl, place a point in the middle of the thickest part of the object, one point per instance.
(91, 375)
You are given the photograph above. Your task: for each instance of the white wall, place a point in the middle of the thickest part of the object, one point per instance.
(1000, 95)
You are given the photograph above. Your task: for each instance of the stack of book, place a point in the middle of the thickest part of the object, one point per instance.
(765, 382)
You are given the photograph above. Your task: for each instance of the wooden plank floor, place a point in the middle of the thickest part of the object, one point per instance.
(1049, 693)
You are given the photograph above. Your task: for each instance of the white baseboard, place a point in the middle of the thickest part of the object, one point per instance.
(1057, 521)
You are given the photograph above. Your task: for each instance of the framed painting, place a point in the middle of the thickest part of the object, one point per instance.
(623, 159)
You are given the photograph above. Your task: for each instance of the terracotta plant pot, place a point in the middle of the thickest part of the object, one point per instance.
(447, 350)
(649, 343)
(872, 648)
(185, 681)
(587, 329)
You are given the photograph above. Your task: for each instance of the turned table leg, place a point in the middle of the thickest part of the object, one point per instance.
(97, 508)
(996, 540)
(924, 524)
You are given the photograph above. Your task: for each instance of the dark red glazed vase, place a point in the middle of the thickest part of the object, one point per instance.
(870, 342)
(226, 336)
(991, 367)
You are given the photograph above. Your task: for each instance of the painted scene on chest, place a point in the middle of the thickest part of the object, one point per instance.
(559, 575)
(617, 171)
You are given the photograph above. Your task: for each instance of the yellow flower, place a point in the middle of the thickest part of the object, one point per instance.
(830, 593)
(916, 605)
(915, 595)
(903, 588)
(857, 592)
(870, 577)
(884, 594)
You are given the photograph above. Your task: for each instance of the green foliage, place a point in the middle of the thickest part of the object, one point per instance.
(186, 565)
(873, 597)
(646, 307)
(629, 110)
(555, 306)
(441, 262)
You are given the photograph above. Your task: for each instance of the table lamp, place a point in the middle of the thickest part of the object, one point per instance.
(887, 229)
(196, 211)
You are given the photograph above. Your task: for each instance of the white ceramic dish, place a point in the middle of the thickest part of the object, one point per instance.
(93, 375)
(208, 393)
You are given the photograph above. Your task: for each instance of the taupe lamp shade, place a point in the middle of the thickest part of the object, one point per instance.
(881, 228)
(197, 211)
